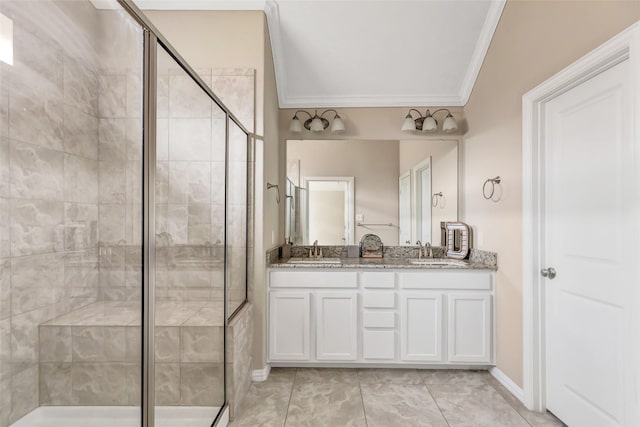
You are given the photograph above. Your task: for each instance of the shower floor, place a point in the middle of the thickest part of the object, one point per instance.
(121, 416)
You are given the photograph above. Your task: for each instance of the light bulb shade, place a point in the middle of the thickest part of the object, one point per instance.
(429, 124)
(337, 126)
(316, 125)
(296, 125)
(408, 125)
(450, 124)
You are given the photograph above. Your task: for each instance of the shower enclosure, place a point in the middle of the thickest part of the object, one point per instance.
(123, 222)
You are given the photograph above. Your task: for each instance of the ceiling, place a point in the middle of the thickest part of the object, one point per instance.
(370, 53)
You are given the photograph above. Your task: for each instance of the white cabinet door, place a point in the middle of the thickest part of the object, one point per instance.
(469, 327)
(421, 328)
(337, 326)
(289, 326)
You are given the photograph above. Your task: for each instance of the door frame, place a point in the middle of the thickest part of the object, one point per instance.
(624, 46)
(417, 202)
(406, 175)
(349, 207)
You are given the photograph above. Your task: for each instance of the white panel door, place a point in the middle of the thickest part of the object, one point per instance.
(588, 217)
(289, 327)
(337, 326)
(421, 326)
(404, 204)
(469, 327)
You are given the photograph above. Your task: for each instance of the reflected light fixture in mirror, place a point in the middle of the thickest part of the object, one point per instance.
(317, 123)
(428, 123)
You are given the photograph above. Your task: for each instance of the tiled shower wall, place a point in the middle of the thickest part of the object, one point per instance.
(49, 204)
(70, 190)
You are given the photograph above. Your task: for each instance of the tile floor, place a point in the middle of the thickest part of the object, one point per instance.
(385, 398)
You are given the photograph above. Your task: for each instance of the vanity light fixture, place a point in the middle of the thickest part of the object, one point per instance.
(317, 123)
(428, 123)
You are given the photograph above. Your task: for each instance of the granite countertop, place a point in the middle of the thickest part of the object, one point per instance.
(381, 263)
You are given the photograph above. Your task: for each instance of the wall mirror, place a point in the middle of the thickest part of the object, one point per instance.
(339, 190)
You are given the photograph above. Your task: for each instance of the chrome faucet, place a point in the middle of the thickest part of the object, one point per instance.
(314, 253)
(419, 243)
(428, 250)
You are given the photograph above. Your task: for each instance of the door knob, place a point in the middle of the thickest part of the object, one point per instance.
(548, 272)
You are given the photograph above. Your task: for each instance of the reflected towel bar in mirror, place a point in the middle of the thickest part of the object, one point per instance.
(388, 224)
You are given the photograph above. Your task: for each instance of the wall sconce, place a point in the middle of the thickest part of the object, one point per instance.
(317, 123)
(427, 123)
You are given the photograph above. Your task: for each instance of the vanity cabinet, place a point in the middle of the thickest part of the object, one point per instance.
(421, 328)
(320, 317)
(336, 326)
(289, 325)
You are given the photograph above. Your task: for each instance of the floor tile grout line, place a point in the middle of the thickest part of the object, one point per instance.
(364, 409)
(437, 406)
(508, 403)
(286, 415)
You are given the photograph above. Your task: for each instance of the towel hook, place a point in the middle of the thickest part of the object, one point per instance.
(277, 187)
(492, 188)
(435, 198)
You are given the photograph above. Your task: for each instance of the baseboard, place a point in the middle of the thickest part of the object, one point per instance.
(508, 383)
(259, 375)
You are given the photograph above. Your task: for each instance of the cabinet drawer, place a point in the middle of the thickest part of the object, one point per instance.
(378, 345)
(379, 319)
(313, 279)
(378, 279)
(446, 280)
(379, 300)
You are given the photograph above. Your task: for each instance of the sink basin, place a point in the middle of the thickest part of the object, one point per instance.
(314, 261)
(439, 262)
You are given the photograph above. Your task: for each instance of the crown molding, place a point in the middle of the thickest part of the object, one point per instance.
(371, 101)
(273, 25)
(482, 47)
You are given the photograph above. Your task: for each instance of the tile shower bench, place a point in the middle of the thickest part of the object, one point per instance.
(91, 356)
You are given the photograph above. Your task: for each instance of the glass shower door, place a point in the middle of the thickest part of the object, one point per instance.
(190, 249)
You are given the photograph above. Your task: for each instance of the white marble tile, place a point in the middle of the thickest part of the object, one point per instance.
(80, 86)
(388, 376)
(167, 344)
(326, 375)
(201, 344)
(265, 405)
(111, 226)
(112, 95)
(187, 99)
(190, 139)
(400, 404)
(201, 384)
(454, 376)
(55, 344)
(112, 182)
(167, 383)
(55, 384)
(80, 179)
(24, 389)
(80, 133)
(112, 138)
(480, 405)
(109, 389)
(314, 404)
(36, 172)
(37, 227)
